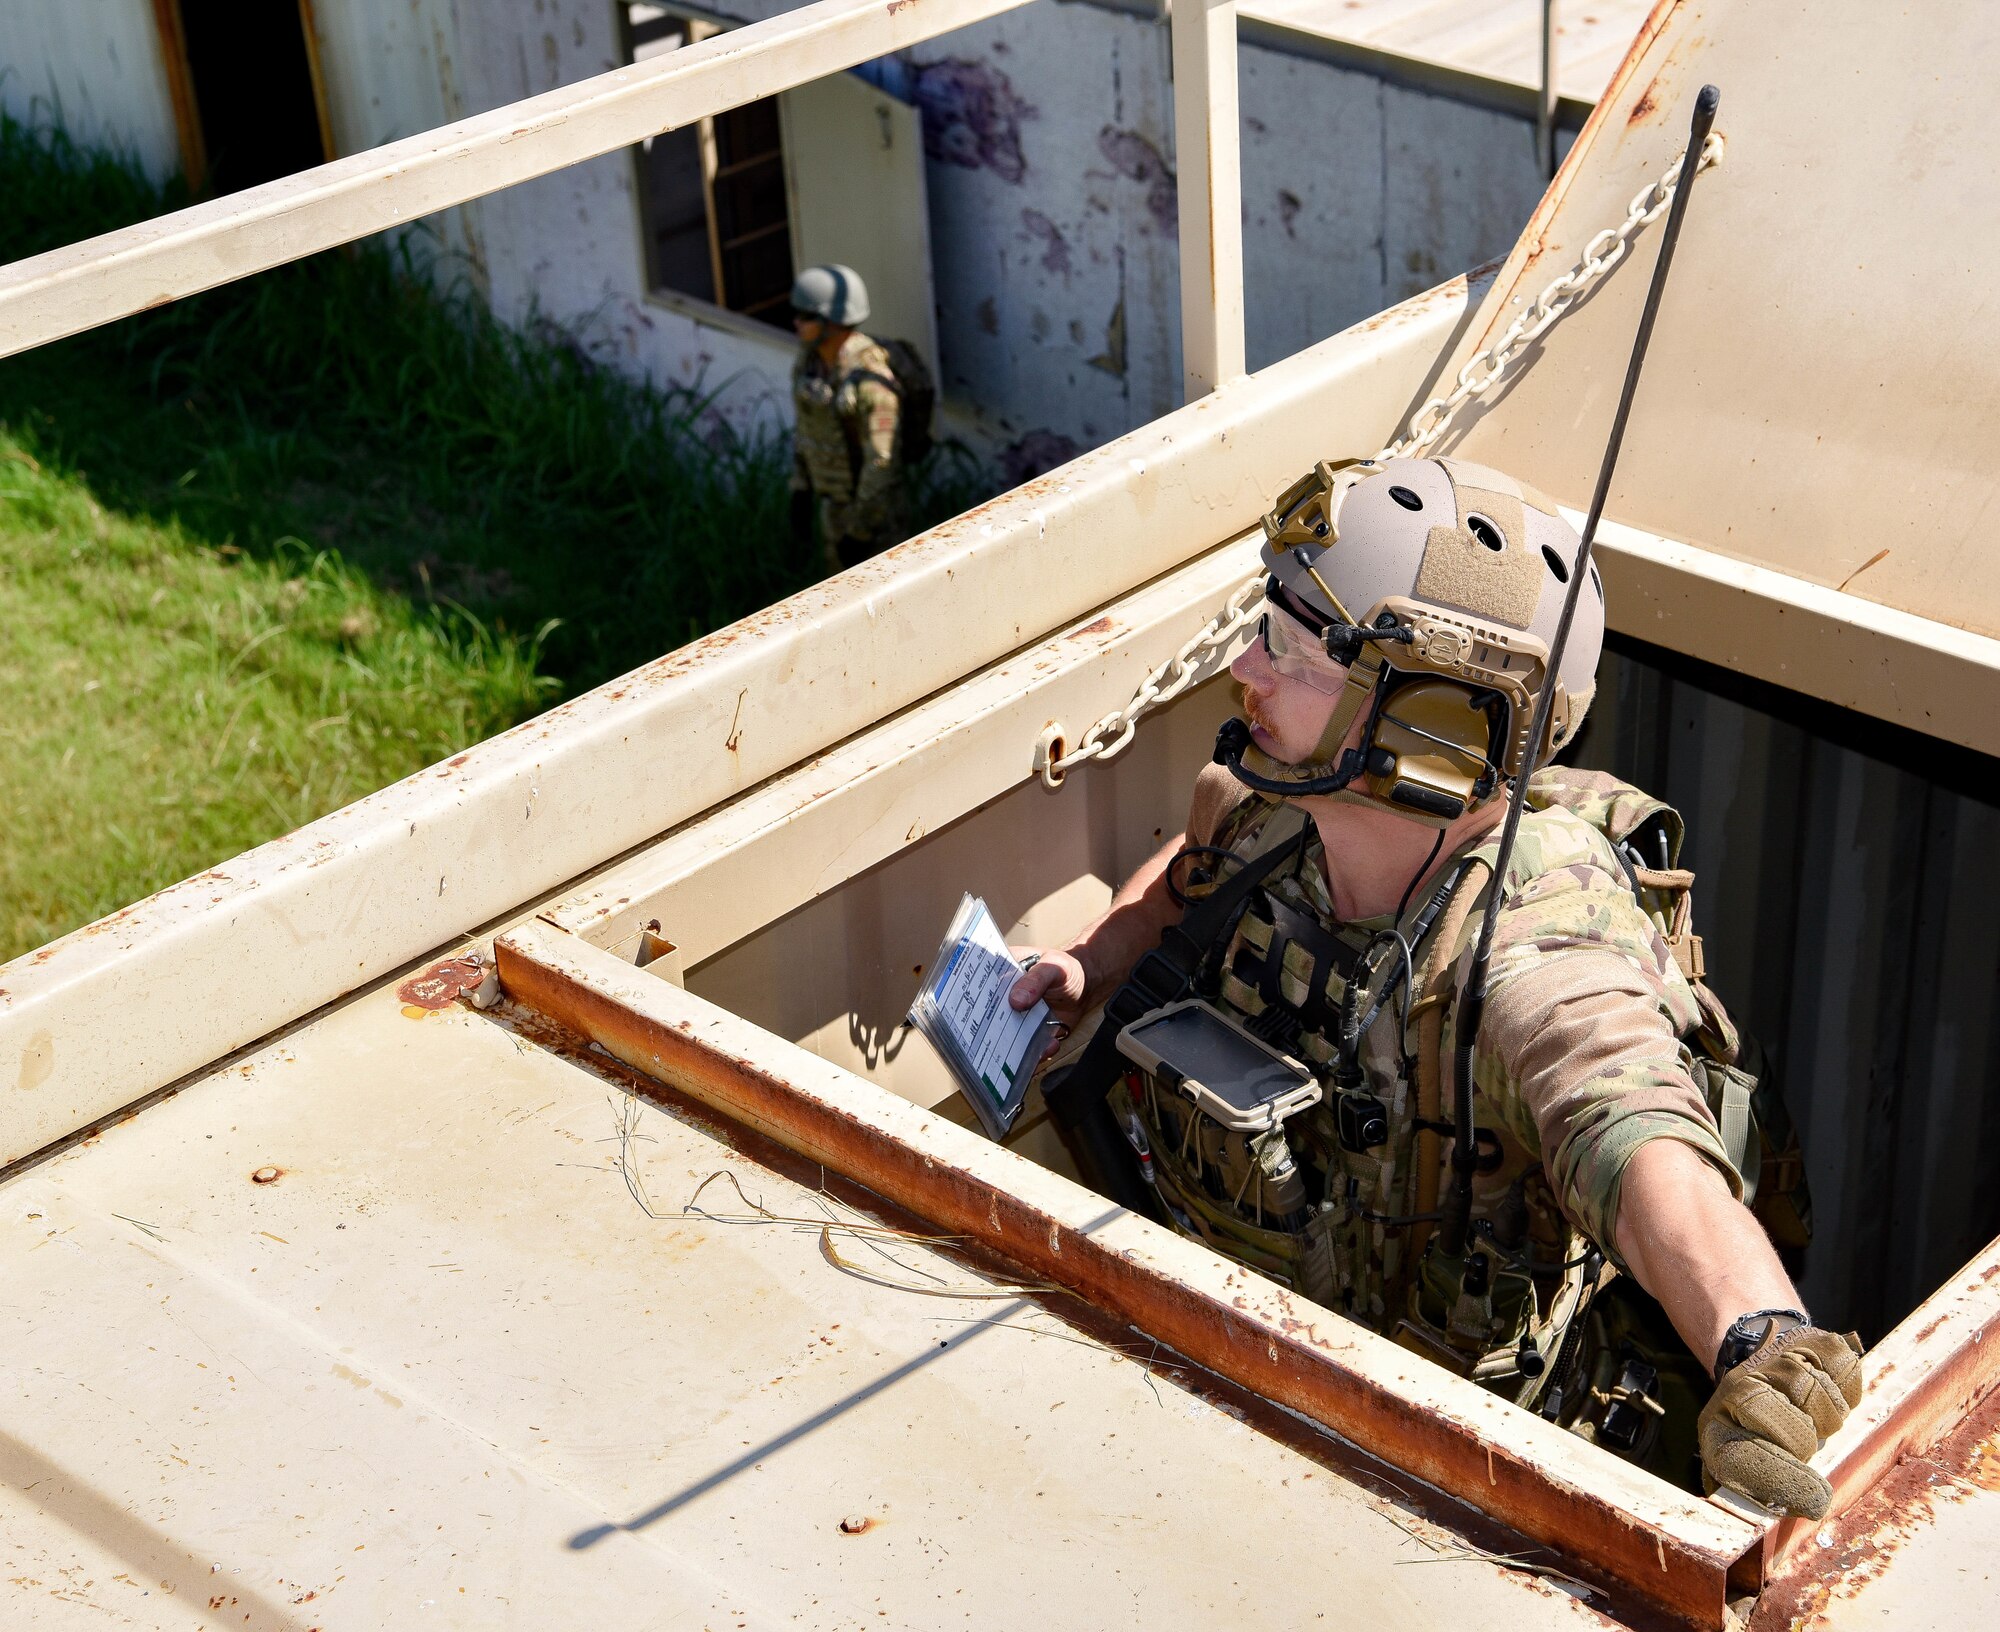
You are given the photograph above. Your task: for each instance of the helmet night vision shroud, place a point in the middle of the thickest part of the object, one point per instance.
(1458, 574)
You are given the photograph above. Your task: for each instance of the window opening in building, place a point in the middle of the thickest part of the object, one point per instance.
(256, 107)
(712, 195)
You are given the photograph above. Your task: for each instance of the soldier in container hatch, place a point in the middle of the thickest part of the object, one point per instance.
(846, 455)
(1278, 1077)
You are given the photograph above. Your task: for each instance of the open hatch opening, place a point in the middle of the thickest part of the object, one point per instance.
(834, 976)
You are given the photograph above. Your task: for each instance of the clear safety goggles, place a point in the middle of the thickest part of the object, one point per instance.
(1297, 652)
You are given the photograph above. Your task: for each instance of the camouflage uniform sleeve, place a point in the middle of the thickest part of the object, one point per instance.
(871, 408)
(1216, 794)
(1580, 1045)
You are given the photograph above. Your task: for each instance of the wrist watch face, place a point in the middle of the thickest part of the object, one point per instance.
(1749, 1334)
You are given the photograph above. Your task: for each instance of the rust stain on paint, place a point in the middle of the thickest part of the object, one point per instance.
(441, 985)
(1856, 1547)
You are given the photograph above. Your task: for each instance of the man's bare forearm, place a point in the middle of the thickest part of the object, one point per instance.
(1130, 928)
(1694, 1246)
(1076, 978)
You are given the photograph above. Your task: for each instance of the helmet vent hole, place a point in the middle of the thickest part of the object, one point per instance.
(1557, 564)
(1483, 530)
(1407, 499)
(1596, 583)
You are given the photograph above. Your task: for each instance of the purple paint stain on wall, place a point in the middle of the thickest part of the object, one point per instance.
(972, 118)
(1055, 247)
(1137, 159)
(1035, 454)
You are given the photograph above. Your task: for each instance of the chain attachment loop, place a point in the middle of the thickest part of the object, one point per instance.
(1110, 736)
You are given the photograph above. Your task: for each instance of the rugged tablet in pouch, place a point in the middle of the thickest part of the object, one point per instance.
(1244, 1084)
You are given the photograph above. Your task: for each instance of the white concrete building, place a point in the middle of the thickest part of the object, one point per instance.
(1008, 191)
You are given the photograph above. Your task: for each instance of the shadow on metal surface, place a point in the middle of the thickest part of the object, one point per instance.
(792, 1435)
(148, 1553)
(819, 1419)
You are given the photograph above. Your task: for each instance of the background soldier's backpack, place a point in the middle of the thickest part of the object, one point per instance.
(916, 392)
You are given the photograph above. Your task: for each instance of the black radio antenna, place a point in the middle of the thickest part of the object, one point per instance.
(1455, 1217)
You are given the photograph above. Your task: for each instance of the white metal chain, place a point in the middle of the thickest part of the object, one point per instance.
(1112, 734)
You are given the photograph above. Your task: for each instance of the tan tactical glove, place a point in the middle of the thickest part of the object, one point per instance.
(1774, 1410)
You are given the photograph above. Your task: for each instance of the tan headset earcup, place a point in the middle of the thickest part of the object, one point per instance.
(1573, 710)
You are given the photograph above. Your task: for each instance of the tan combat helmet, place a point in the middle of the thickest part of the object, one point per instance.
(1438, 583)
(833, 293)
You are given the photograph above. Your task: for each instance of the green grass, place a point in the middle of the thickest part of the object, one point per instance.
(167, 703)
(268, 549)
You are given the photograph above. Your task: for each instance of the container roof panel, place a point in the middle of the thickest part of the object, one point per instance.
(1820, 397)
(443, 1361)
(1487, 39)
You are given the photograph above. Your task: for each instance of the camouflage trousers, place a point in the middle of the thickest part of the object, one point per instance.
(850, 549)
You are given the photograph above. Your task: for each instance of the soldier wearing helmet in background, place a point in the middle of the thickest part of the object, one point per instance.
(1336, 863)
(846, 459)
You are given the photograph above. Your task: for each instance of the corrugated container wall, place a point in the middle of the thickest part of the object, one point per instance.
(1847, 875)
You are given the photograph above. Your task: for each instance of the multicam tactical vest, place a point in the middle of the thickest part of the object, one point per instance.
(1328, 1203)
(831, 410)
(1296, 1202)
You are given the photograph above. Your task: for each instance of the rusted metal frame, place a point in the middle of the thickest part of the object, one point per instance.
(1919, 1384)
(1758, 621)
(322, 108)
(1668, 1547)
(116, 274)
(1208, 163)
(180, 90)
(1504, 295)
(732, 872)
(221, 959)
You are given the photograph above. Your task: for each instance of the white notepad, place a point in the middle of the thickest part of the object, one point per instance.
(990, 1047)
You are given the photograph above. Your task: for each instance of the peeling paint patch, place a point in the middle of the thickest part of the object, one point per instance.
(38, 1060)
(1112, 358)
(972, 118)
(1289, 205)
(1055, 247)
(1137, 159)
(442, 984)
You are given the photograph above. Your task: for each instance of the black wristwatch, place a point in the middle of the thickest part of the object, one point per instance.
(1751, 1332)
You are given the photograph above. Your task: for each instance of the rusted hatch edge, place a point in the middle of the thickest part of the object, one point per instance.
(1674, 1550)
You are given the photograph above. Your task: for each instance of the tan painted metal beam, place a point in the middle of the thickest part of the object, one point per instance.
(1208, 164)
(1822, 394)
(1860, 654)
(1919, 1383)
(1670, 1547)
(224, 958)
(728, 874)
(112, 276)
